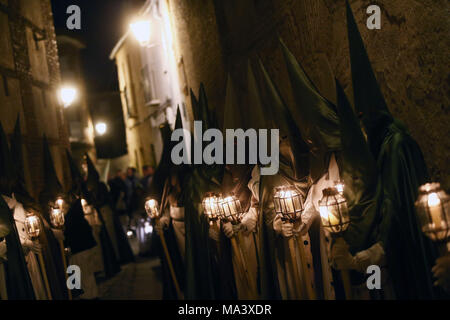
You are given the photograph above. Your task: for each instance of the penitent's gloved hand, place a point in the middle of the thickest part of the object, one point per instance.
(33, 246)
(441, 271)
(230, 230)
(342, 259)
(162, 224)
(214, 233)
(250, 219)
(3, 250)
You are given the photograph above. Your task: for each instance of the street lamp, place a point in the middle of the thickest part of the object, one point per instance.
(68, 94)
(141, 31)
(101, 127)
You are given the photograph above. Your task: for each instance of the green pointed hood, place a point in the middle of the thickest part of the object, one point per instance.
(76, 177)
(20, 190)
(369, 100)
(257, 111)
(52, 186)
(7, 176)
(358, 161)
(195, 106)
(280, 115)
(231, 118)
(314, 115)
(206, 115)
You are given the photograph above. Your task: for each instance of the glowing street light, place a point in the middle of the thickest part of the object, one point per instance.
(101, 127)
(68, 95)
(141, 31)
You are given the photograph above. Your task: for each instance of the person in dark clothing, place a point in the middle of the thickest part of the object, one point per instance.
(117, 192)
(132, 184)
(148, 172)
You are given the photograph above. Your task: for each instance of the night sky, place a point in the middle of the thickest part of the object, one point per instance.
(103, 22)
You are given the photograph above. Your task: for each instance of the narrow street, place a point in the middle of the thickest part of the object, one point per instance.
(136, 281)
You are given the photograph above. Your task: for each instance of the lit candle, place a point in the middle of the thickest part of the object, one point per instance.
(434, 205)
(151, 206)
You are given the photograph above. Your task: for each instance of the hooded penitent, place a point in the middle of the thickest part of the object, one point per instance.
(51, 250)
(402, 170)
(161, 190)
(358, 171)
(97, 196)
(201, 281)
(18, 281)
(20, 190)
(292, 171)
(314, 116)
(78, 233)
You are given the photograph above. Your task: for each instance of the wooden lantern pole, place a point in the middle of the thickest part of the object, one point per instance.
(63, 256)
(165, 249)
(345, 276)
(44, 275)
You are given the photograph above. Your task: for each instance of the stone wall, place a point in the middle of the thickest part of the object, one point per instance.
(409, 54)
(29, 72)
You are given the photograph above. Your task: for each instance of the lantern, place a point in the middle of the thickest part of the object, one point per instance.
(32, 226)
(231, 209)
(151, 207)
(334, 211)
(288, 203)
(57, 217)
(339, 185)
(433, 209)
(211, 206)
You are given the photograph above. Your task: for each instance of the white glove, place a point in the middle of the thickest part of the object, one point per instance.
(58, 233)
(229, 229)
(3, 250)
(214, 233)
(250, 219)
(162, 224)
(33, 246)
(343, 260)
(277, 224)
(441, 271)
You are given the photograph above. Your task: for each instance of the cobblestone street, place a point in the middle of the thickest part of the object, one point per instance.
(136, 281)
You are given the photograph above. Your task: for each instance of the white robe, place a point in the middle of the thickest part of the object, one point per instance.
(30, 258)
(177, 215)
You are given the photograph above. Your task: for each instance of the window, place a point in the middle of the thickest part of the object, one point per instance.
(148, 83)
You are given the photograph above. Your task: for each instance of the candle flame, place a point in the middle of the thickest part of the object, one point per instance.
(433, 200)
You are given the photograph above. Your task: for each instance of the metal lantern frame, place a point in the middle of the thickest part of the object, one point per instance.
(32, 225)
(334, 203)
(211, 206)
(231, 209)
(58, 209)
(432, 192)
(151, 207)
(288, 203)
